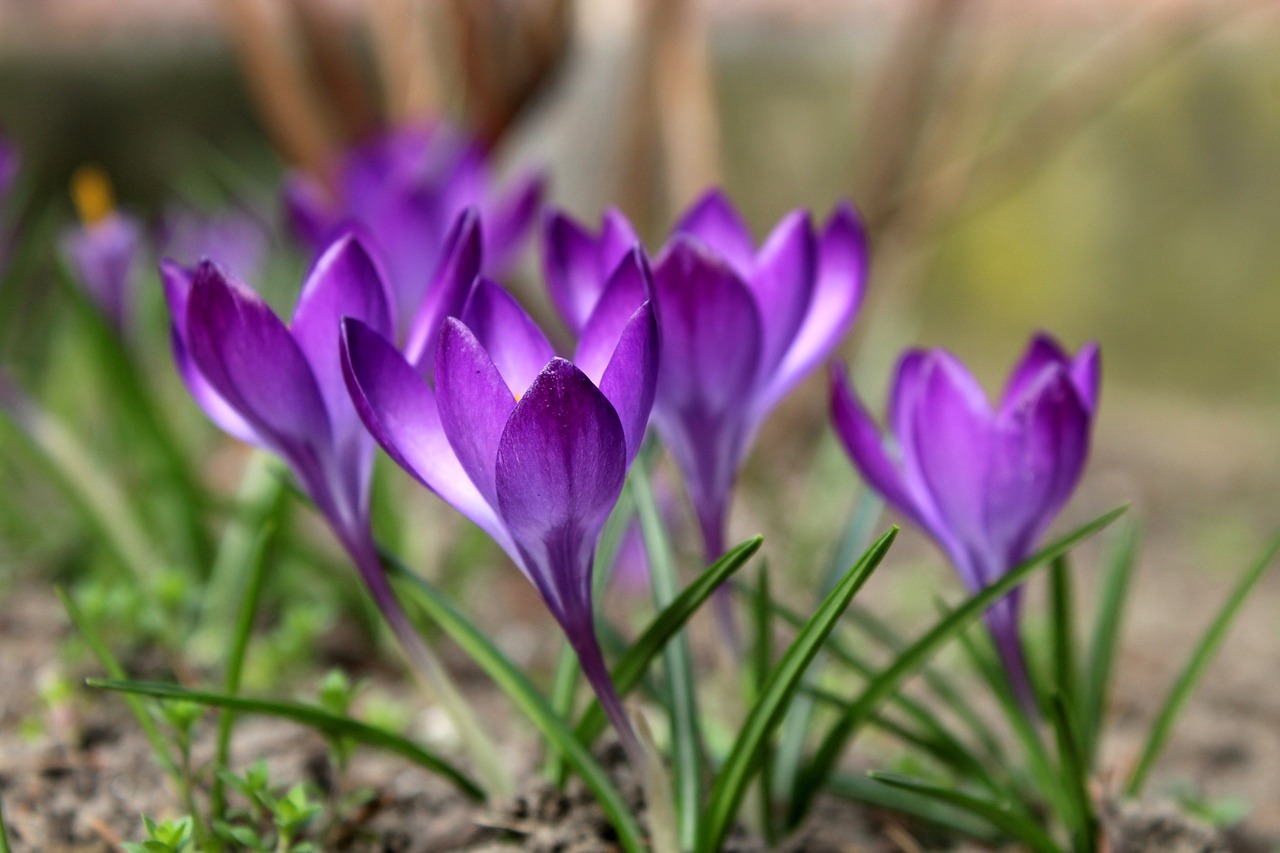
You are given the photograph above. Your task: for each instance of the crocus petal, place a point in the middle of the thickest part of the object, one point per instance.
(951, 440)
(560, 469)
(10, 160)
(705, 312)
(858, 433)
(474, 403)
(628, 288)
(105, 256)
(177, 288)
(450, 287)
(714, 220)
(617, 238)
(571, 263)
(631, 377)
(252, 361)
(509, 336)
(1086, 372)
(1043, 352)
(509, 220)
(839, 284)
(308, 211)
(1038, 451)
(344, 282)
(783, 283)
(400, 412)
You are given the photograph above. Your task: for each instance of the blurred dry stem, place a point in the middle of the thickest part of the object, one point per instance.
(408, 59)
(287, 105)
(336, 69)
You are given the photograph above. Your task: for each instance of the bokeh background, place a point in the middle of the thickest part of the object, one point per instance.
(1102, 170)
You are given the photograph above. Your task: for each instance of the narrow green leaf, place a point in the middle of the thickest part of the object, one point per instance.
(4, 831)
(761, 662)
(1062, 636)
(564, 687)
(686, 738)
(999, 815)
(528, 699)
(237, 648)
(862, 789)
(632, 666)
(1201, 656)
(312, 716)
(916, 655)
(1121, 559)
(116, 671)
(1074, 774)
(743, 760)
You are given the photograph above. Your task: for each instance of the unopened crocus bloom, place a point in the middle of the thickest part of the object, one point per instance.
(740, 326)
(985, 483)
(531, 447)
(406, 188)
(105, 250)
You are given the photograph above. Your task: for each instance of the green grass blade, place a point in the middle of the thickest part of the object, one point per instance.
(236, 650)
(311, 716)
(760, 663)
(1122, 558)
(677, 657)
(1074, 773)
(999, 815)
(1203, 654)
(915, 656)
(952, 820)
(535, 707)
(116, 671)
(4, 831)
(632, 666)
(564, 687)
(1062, 633)
(730, 782)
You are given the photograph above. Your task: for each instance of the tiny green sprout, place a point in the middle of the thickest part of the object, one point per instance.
(293, 813)
(182, 716)
(170, 836)
(1218, 812)
(337, 692)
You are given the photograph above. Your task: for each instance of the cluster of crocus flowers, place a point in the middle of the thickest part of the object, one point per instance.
(984, 482)
(739, 326)
(105, 250)
(405, 188)
(531, 447)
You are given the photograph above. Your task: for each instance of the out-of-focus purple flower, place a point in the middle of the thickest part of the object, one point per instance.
(9, 163)
(406, 188)
(235, 238)
(106, 257)
(531, 447)
(985, 483)
(740, 326)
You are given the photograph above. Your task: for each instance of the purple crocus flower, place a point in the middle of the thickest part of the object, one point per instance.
(106, 258)
(406, 188)
(234, 236)
(739, 326)
(531, 447)
(985, 483)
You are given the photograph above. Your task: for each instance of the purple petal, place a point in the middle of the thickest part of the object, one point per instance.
(344, 282)
(509, 336)
(951, 442)
(105, 256)
(177, 288)
(1038, 452)
(560, 469)
(474, 403)
(10, 160)
(571, 263)
(400, 412)
(837, 293)
(509, 220)
(1042, 353)
(631, 377)
(861, 439)
(234, 238)
(617, 238)
(627, 290)
(783, 283)
(252, 361)
(714, 220)
(450, 287)
(308, 211)
(1086, 372)
(711, 331)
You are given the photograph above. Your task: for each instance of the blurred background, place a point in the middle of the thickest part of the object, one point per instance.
(1102, 170)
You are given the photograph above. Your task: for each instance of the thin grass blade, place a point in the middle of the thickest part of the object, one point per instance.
(950, 819)
(744, 759)
(915, 656)
(1121, 560)
(308, 715)
(1202, 655)
(1075, 775)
